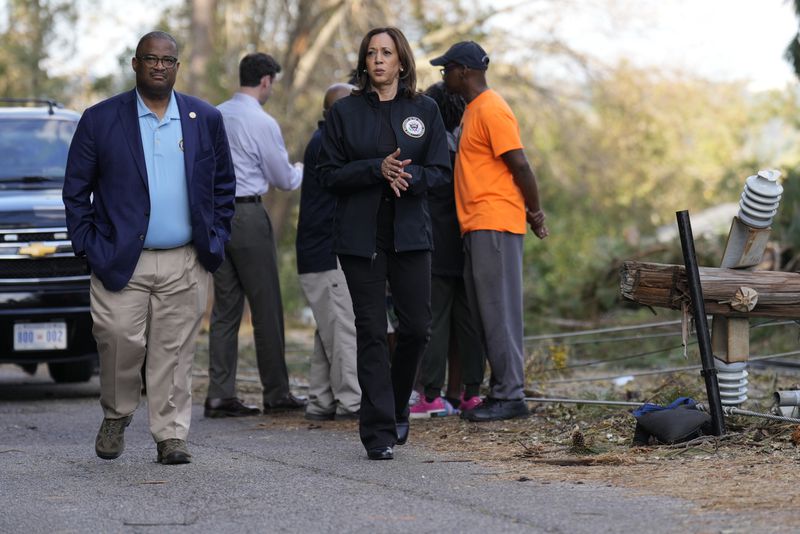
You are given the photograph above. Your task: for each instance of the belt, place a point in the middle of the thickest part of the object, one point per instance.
(151, 249)
(250, 198)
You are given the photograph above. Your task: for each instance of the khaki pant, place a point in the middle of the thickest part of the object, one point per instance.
(154, 321)
(333, 380)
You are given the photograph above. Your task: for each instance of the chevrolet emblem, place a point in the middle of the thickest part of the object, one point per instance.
(37, 250)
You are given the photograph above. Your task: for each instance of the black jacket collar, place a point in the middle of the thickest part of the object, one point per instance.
(374, 100)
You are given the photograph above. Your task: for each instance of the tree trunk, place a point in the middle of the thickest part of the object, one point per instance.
(655, 284)
(202, 24)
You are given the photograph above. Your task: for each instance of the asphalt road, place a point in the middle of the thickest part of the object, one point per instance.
(263, 474)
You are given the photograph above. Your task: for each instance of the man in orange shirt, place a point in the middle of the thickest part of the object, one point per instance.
(496, 195)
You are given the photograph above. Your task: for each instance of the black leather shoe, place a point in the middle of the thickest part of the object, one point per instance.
(380, 453)
(349, 416)
(497, 410)
(228, 408)
(311, 416)
(402, 432)
(289, 402)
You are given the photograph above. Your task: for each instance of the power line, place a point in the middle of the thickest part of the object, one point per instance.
(612, 377)
(620, 358)
(546, 337)
(601, 330)
(616, 339)
(661, 371)
(639, 354)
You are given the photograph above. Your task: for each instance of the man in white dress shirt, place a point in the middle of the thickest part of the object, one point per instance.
(250, 269)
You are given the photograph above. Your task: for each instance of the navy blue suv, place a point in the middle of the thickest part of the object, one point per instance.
(44, 288)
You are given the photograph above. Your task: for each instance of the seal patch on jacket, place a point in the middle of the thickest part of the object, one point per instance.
(413, 127)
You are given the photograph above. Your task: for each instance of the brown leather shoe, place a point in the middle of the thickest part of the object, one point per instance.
(228, 408)
(289, 402)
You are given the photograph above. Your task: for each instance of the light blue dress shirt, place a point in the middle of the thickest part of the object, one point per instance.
(170, 225)
(257, 148)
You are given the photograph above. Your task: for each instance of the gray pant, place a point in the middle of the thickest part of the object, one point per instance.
(452, 314)
(333, 381)
(493, 279)
(250, 270)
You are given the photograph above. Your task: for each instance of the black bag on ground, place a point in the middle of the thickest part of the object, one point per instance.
(671, 425)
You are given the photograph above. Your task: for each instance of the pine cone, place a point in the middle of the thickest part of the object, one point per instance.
(796, 436)
(578, 441)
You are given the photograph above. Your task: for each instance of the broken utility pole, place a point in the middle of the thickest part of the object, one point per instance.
(777, 294)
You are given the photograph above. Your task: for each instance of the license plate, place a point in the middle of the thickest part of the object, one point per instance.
(40, 336)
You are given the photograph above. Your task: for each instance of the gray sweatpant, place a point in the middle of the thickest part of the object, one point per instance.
(493, 279)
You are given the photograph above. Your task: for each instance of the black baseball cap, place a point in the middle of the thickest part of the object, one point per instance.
(467, 53)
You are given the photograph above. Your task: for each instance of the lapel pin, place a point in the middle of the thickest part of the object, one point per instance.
(192, 115)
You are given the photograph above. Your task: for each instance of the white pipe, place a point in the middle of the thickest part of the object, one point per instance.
(787, 398)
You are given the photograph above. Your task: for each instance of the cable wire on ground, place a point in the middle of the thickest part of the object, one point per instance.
(583, 401)
(727, 410)
(772, 417)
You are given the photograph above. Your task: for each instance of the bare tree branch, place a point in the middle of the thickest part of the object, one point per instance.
(312, 55)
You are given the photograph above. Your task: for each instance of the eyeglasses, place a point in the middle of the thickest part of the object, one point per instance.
(151, 61)
(448, 68)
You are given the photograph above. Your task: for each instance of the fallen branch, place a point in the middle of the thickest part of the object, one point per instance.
(584, 461)
(701, 440)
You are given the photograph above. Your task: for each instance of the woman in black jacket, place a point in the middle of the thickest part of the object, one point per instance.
(384, 145)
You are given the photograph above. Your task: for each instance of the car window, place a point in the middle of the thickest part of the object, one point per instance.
(34, 150)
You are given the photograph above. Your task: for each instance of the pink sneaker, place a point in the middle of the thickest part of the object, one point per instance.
(423, 408)
(469, 404)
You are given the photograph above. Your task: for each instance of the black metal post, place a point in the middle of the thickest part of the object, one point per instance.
(709, 372)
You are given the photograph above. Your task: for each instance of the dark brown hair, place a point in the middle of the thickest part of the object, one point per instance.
(408, 78)
(255, 66)
(451, 106)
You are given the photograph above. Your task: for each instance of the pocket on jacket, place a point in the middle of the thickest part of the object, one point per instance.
(102, 228)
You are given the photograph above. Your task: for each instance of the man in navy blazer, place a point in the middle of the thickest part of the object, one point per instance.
(149, 196)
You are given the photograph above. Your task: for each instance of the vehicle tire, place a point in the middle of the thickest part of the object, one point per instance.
(70, 372)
